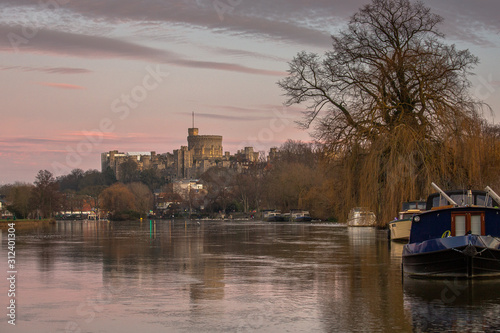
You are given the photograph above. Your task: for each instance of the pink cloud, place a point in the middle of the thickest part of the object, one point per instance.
(86, 134)
(48, 70)
(61, 85)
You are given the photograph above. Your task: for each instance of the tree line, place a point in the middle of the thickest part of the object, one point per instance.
(289, 182)
(303, 176)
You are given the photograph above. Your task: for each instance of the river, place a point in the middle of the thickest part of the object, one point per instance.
(229, 276)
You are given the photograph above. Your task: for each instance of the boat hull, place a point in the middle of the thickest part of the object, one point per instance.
(469, 256)
(275, 219)
(362, 222)
(400, 230)
(303, 219)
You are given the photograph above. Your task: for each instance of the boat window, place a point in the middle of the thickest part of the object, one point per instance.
(475, 224)
(459, 225)
(467, 223)
(481, 201)
(439, 201)
(460, 199)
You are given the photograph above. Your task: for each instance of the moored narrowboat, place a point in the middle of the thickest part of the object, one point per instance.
(399, 228)
(457, 236)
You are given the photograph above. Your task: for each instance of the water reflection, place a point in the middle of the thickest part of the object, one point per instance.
(186, 276)
(453, 305)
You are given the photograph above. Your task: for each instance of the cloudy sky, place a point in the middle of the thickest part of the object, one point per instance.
(81, 77)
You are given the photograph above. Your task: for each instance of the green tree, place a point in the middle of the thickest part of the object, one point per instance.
(92, 178)
(18, 196)
(109, 176)
(71, 181)
(129, 171)
(218, 182)
(151, 177)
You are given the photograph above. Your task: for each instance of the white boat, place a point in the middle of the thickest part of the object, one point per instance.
(399, 228)
(300, 216)
(361, 217)
(272, 216)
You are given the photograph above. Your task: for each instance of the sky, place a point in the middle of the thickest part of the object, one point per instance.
(82, 77)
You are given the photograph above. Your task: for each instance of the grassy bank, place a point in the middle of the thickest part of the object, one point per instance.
(25, 223)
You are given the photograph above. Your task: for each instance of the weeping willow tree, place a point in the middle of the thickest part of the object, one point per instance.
(391, 104)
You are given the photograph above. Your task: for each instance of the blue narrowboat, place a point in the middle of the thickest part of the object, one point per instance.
(457, 236)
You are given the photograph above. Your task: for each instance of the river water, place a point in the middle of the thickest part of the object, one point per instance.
(238, 276)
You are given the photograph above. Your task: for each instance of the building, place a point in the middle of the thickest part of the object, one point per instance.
(143, 160)
(201, 153)
(273, 154)
(247, 155)
(183, 162)
(204, 146)
(186, 186)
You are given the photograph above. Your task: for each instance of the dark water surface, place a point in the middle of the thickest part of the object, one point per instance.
(215, 276)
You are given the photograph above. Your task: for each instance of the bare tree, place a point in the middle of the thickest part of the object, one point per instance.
(388, 69)
(45, 195)
(144, 199)
(117, 199)
(385, 98)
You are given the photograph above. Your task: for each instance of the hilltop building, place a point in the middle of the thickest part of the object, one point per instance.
(204, 146)
(143, 160)
(201, 153)
(247, 155)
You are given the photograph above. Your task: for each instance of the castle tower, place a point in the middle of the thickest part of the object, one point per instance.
(192, 132)
(204, 146)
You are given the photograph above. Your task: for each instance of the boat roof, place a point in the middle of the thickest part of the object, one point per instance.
(462, 198)
(411, 205)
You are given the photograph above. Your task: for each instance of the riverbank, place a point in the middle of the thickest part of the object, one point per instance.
(25, 223)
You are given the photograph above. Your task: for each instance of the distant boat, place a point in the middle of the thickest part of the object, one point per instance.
(300, 216)
(399, 228)
(272, 216)
(457, 236)
(361, 217)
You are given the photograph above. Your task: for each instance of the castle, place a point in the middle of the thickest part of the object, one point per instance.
(201, 153)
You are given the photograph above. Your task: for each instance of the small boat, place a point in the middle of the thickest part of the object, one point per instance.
(361, 217)
(272, 216)
(300, 216)
(457, 236)
(399, 228)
